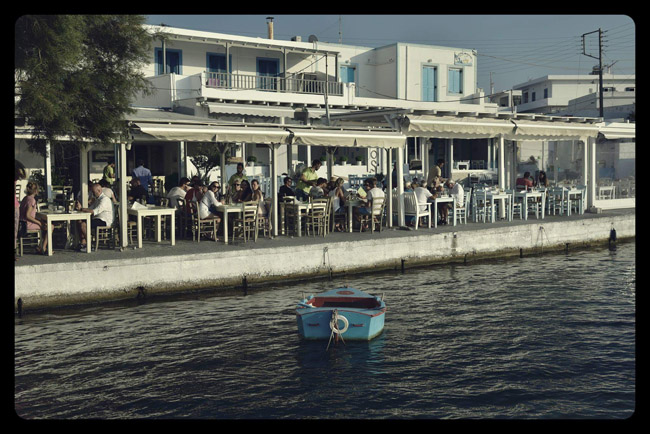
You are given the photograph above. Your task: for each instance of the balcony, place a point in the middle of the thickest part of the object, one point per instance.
(222, 80)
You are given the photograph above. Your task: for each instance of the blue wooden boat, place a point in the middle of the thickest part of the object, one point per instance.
(347, 313)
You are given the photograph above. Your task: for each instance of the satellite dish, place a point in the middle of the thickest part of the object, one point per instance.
(312, 38)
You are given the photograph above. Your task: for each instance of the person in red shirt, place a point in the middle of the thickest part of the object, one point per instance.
(525, 182)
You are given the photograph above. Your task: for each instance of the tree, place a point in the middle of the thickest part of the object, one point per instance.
(205, 157)
(76, 75)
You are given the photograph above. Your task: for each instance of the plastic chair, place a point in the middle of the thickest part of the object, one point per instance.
(461, 212)
(376, 217)
(413, 208)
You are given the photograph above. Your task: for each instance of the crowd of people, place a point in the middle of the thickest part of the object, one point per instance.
(240, 189)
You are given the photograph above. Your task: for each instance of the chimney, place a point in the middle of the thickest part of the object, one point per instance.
(269, 24)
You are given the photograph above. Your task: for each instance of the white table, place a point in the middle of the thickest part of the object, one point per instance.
(228, 209)
(506, 204)
(443, 199)
(525, 195)
(351, 204)
(158, 212)
(59, 216)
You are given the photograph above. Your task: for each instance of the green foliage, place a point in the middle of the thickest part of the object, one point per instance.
(205, 157)
(76, 75)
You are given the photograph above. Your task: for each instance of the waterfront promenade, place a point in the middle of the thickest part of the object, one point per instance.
(70, 277)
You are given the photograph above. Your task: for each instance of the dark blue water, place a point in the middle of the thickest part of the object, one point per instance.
(548, 336)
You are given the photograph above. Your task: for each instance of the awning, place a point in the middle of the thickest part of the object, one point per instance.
(448, 127)
(251, 110)
(213, 133)
(347, 138)
(618, 130)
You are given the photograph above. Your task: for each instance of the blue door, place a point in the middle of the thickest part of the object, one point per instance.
(267, 72)
(429, 83)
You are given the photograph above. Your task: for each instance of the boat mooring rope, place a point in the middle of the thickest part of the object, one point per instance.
(334, 326)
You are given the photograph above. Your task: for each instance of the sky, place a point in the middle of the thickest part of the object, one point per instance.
(512, 49)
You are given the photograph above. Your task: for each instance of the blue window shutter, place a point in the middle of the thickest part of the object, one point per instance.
(428, 83)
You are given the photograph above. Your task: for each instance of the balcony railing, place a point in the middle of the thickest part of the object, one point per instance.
(222, 80)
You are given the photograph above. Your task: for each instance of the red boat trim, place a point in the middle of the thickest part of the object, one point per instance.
(356, 325)
(313, 325)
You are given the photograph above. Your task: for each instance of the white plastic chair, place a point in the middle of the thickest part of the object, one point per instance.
(413, 208)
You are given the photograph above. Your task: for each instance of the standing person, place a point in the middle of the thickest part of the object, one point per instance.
(109, 172)
(307, 180)
(237, 178)
(435, 178)
(144, 175)
(19, 174)
(101, 211)
(28, 216)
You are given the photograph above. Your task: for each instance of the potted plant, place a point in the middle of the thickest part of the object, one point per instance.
(359, 159)
(323, 159)
(251, 160)
(344, 160)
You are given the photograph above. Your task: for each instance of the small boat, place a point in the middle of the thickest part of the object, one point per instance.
(346, 313)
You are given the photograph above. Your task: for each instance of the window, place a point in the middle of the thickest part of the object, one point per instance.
(525, 94)
(429, 86)
(173, 58)
(533, 96)
(545, 93)
(455, 80)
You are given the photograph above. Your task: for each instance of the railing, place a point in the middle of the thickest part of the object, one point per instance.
(222, 80)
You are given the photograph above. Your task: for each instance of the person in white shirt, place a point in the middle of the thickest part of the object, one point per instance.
(108, 192)
(178, 192)
(101, 211)
(423, 195)
(209, 203)
(457, 192)
(370, 185)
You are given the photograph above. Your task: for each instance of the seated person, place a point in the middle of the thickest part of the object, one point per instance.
(209, 203)
(286, 189)
(338, 200)
(137, 192)
(525, 182)
(373, 192)
(457, 192)
(258, 196)
(244, 193)
(101, 211)
(318, 190)
(28, 220)
(108, 191)
(178, 192)
(423, 195)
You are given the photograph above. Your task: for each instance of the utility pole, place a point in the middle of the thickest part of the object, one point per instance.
(600, 64)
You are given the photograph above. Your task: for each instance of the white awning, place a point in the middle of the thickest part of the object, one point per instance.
(448, 127)
(618, 130)
(251, 110)
(213, 133)
(347, 138)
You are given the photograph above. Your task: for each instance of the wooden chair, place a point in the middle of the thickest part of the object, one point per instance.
(376, 217)
(317, 217)
(108, 234)
(202, 226)
(30, 238)
(291, 215)
(246, 226)
(264, 222)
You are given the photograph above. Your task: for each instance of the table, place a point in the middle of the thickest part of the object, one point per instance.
(58, 216)
(351, 204)
(158, 212)
(228, 209)
(506, 200)
(525, 195)
(443, 199)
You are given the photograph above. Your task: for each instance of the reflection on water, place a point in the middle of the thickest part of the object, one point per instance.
(538, 337)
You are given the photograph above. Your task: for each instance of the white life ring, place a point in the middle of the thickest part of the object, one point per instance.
(335, 326)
